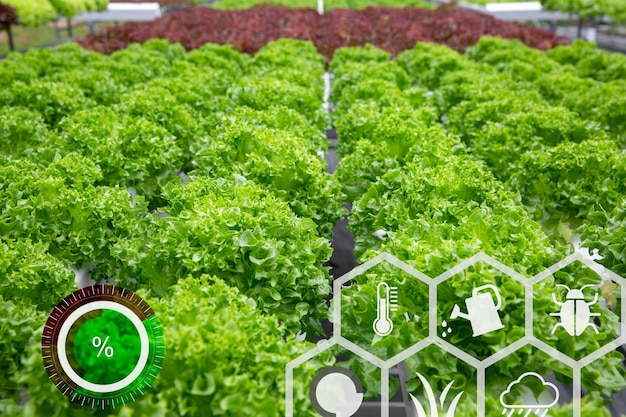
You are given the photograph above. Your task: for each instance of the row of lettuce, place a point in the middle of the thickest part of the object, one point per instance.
(196, 179)
(328, 4)
(558, 138)
(614, 9)
(501, 150)
(34, 13)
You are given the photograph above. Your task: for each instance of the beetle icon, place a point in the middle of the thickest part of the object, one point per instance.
(575, 313)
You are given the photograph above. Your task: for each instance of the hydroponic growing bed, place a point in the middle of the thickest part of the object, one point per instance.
(197, 179)
(392, 29)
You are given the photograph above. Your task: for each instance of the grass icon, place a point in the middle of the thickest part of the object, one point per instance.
(432, 401)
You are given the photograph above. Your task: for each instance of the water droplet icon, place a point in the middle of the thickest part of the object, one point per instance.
(446, 330)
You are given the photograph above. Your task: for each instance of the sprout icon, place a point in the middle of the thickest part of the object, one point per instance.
(432, 401)
(519, 390)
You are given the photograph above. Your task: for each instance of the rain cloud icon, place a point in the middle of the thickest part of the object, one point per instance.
(519, 389)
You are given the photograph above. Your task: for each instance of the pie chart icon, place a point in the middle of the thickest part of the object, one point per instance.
(336, 392)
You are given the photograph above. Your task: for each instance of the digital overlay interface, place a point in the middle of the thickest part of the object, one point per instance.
(103, 346)
(539, 325)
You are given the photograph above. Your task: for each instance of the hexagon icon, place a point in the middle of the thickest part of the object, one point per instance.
(439, 384)
(574, 306)
(480, 307)
(331, 380)
(527, 382)
(382, 307)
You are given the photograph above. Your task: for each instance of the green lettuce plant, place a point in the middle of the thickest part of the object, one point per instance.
(240, 232)
(224, 357)
(278, 160)
(61, 208)
(130, 151)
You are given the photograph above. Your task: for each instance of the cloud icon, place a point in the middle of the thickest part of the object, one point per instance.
(520, 389)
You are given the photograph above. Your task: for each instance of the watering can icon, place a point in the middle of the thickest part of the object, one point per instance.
(482, 312)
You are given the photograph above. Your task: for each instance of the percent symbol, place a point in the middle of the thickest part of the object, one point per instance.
(97, 343)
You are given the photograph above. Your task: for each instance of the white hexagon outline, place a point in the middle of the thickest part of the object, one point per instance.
(432, 338)
(601, 270)
(322, 346)
(460, 267)
(359, 270)
(577, 365)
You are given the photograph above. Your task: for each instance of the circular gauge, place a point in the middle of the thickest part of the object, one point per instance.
(102, 346)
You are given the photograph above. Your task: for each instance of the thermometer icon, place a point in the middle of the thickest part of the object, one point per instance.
(386, 300)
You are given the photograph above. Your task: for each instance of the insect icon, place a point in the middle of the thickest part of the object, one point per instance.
(575, 313)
